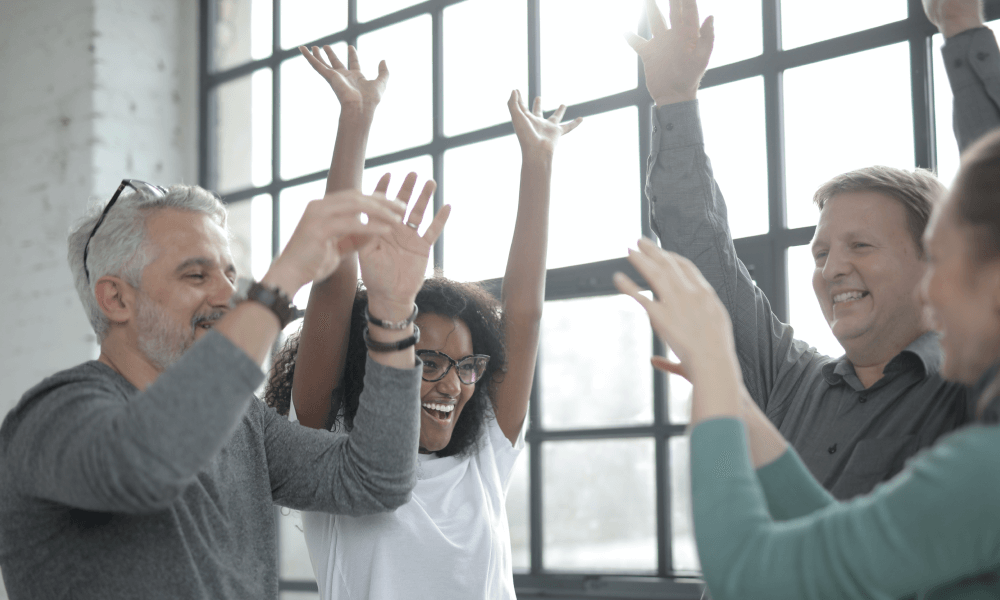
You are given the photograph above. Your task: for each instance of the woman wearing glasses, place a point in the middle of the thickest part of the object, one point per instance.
(451, 540)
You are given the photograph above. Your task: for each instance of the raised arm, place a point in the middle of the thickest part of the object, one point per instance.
(688, 211)
(972, 61)
(323, 343)
(523, 292)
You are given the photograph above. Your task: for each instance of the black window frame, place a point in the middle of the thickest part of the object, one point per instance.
(765, 255)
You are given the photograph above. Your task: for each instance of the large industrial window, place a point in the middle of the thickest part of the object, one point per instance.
(796, 93)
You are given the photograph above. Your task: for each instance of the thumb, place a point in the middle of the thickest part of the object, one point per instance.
(635, 41)
(706, 40)
(663, 364)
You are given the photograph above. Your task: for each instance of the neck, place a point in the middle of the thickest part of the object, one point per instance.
(128, 362)
(870, 360)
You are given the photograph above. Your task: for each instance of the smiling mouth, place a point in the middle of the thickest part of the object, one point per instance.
(440, 412)
(849, 297)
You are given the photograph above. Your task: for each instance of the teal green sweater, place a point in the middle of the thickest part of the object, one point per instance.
(777, 534)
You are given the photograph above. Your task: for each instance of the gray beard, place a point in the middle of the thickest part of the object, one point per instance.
(160, 339)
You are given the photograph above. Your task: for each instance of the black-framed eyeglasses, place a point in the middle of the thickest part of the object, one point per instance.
(135, 184)
(437, 365)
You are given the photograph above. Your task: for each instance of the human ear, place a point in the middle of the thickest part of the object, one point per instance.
(115, 298)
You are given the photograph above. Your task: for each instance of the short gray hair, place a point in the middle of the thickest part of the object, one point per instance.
(119, 247)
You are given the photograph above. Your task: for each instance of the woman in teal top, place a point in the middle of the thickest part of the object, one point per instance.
(774, 533)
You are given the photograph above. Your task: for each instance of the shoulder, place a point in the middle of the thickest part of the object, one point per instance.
(88, 380)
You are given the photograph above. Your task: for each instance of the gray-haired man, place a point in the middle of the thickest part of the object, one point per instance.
(853, 420)
(152, 471)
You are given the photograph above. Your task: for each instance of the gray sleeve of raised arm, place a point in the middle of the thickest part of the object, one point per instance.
(972, 62)
(371, 469)
(83, 444)
(689, 216)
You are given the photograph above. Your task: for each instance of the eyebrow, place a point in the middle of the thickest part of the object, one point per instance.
(201, 261)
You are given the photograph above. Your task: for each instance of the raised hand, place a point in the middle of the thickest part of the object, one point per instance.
(535, 132)
(686, 314)
(952, 17)
(350, 86)
(393, 266)
(330, 229)
(675, 58)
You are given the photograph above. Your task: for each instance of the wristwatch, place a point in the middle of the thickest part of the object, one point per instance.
(270, 296)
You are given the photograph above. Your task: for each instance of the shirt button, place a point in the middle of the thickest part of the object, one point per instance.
(832, 449)
(862, 398)
(654, 128)
(982, 55)
(669, 127)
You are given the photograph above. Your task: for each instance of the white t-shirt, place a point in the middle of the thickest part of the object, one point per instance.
(450, 540)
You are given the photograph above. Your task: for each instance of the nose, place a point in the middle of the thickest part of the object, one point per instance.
(450, 386)
(222, 291)
(836, 265)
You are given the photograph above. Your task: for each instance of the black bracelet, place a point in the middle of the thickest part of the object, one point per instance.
(391, 346)
(391, 324)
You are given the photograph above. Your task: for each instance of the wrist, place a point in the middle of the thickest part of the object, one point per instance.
(675, 97)
(537, 157)
(387, 309)
(286, 282)
(357, 113)
(954, 27)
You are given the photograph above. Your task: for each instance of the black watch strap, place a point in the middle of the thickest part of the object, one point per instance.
(276, 300)
(392, 346)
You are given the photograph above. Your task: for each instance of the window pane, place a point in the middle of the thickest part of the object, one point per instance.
(423, 166)
(372, 9)
(807, 21)
(594, 211)
(738, 29)
(243, 32)
(303, 22)
(243, 132)
(600, 505)
(583, 53)
(597, 375)
(481, 182)
(844, 114)
(737, 145)
(249, 224)
(299, 596)
(404, 116)
(478, 84)
(518, 513)
(947, 146)
(294, 556)
(309, 115)
(682, 543)
(803, 307)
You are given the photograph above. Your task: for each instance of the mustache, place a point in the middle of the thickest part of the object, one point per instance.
(211, 316)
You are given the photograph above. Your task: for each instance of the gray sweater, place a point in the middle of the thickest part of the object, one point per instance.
(109, 492)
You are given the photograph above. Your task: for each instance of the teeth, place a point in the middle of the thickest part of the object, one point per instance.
(848, 296)
(445, 408)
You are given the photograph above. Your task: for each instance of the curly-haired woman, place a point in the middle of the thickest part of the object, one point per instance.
(451, 540)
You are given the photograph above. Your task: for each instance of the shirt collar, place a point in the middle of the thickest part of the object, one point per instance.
(925, 351)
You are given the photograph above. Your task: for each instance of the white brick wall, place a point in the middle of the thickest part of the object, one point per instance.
(93, 91)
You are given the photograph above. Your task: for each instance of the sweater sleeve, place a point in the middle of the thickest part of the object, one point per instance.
(83, 443)
(930, 525)
(371, 469)
(688, 213)
(789, 488)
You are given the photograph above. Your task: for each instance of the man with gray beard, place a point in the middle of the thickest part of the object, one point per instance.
(152, 472)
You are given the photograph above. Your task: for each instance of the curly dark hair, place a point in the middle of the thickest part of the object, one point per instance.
(470, 302)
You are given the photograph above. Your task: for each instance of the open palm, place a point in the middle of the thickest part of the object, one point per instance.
(348, 83)
(393, 266)
(533, 130)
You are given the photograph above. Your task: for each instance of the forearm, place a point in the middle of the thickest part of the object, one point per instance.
(319, 364)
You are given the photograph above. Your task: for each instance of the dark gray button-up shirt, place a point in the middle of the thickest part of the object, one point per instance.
(850, 437)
